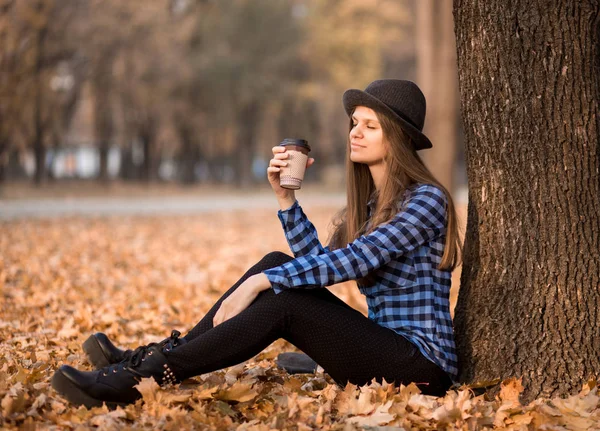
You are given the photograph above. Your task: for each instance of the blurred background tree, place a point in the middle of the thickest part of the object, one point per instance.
(198, 91)
(40, 80)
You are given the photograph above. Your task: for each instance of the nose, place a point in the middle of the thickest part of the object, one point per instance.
(355, 132)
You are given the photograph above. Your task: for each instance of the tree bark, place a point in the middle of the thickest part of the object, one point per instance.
(529, 300)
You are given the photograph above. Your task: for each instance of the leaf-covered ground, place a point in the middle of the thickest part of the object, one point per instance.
(136, 278)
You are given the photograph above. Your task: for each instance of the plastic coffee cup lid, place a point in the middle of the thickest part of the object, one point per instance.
(297, 142)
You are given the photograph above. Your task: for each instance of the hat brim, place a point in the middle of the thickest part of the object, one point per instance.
(353, 98)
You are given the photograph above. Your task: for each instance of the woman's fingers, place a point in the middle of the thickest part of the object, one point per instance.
(278, 163)
(280, 157)
(239, 300)
(277, 160)
(219, 316)
(222, 313)
(275, 164)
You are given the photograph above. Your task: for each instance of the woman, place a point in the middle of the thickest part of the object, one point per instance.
(397, 237)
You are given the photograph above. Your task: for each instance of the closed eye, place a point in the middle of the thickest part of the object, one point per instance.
(368, 127)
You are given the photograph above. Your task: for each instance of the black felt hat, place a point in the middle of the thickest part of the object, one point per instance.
(401, 100)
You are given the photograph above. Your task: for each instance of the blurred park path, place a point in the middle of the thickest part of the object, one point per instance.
(155, 205)
(90, 199)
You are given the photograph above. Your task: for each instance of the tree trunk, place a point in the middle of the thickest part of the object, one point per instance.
(529, 301)
(188, 155)
(39, 153)
(149, 166)
(436, 70)
(3, 161)
(103, 148)
(128, 170)
(103, 119)
(39, 146)
(14, 168)
(244, 148)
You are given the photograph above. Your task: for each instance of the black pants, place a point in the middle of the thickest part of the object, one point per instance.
(349, 346)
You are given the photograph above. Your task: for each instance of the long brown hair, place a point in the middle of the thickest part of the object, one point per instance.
(404, 168)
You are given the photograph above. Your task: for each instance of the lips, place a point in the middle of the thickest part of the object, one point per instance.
(354, 144)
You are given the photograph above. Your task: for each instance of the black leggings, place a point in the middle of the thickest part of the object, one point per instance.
(349, 346)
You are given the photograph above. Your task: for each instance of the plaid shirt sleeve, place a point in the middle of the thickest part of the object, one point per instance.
(420, 221)
(300, 233)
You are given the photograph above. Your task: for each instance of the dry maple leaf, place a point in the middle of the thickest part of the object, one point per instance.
(109, 420)
(233, 373)
(354, 401)
(14, 400)
(297, 403)
(206, 393)
(379, 417)
(510, 390)
(454, 406)
(148, 388)
(170, 397)
(39, 402)
(239, 392)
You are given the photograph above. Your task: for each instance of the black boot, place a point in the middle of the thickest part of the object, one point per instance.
(115, 384)
(101, 352)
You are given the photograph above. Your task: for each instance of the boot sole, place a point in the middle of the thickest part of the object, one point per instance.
(94, 352)
(72, 393)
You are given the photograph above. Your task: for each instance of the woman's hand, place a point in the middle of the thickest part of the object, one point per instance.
(275, 164)
(241, 298)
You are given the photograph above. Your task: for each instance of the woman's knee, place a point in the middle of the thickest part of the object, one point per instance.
(275, 258)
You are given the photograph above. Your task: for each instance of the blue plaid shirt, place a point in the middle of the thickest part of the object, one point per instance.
(410, 295)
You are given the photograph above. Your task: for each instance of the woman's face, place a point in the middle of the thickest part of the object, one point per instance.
(366, 137)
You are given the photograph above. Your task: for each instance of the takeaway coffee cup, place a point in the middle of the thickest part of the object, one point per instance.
(291, 176)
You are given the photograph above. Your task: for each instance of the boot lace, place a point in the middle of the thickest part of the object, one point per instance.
(134, 358)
